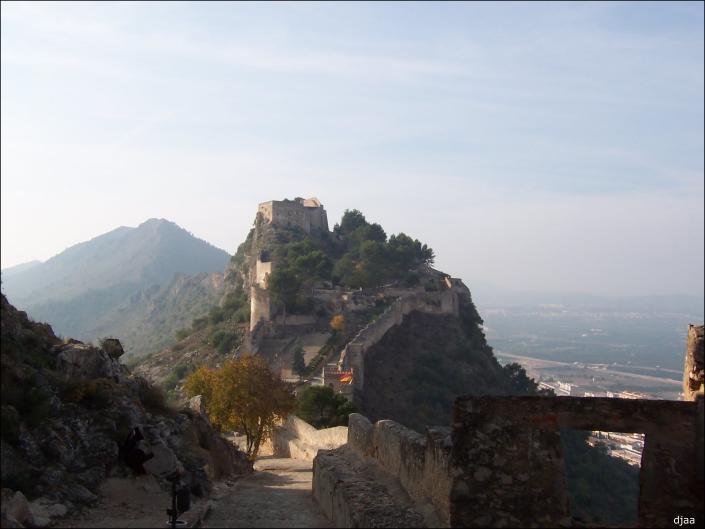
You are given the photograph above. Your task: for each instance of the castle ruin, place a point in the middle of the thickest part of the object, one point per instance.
(307, 214)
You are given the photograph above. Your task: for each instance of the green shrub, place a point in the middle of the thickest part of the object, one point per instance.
(152, 398)
(321, 407)
(97, 393)
(177, 375)
(223, 340)
(216, 315)
(200, 323)
(182, 333)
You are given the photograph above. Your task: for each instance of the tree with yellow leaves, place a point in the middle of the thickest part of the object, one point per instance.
(337, 323)
(242, 395)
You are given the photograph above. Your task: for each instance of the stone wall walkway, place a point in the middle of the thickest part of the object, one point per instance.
(277, 494)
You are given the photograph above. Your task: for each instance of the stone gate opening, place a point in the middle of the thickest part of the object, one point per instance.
(609, 497)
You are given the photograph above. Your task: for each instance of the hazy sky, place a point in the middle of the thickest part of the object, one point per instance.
(536, 146)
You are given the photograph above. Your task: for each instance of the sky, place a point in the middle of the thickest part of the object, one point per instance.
(537, 146)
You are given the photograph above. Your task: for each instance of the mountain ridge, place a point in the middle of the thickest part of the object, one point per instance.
(103, 285)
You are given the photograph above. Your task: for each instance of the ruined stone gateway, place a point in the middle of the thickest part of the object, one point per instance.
(501, 464)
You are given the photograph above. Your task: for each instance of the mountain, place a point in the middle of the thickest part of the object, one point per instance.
(14, 270)
(141, 283)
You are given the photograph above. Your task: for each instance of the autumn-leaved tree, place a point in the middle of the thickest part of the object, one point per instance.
(242, 395)
(337, 323)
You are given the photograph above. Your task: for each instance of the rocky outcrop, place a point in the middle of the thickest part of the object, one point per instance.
(416, 370)
(77, 361)
(67, 409)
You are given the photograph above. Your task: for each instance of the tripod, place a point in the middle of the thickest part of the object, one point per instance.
(180, 502)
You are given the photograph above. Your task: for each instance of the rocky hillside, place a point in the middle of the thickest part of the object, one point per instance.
(415, 373)
(67, 409)
(138, 283)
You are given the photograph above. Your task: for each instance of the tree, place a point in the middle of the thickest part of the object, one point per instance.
(242, 395)
(321, 407)
(519, 382)
(299, 364)
(284, 285)
(337, 323)
(352, 219)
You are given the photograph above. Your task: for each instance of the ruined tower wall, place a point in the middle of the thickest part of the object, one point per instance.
(259, 306)
(262, 270)
(694, 364)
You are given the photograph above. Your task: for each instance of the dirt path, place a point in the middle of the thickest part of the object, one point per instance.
(132, 502)
(277, 494)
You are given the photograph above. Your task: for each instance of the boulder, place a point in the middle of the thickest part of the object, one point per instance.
(113, 347)
(81, 361)
(197, 405)
(164, 461)
(15, 508)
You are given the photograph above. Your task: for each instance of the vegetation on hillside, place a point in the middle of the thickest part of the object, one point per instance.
(243, 395)
(356, 255)
(602, 489)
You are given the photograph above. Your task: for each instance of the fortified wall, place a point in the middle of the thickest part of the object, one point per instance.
(353, 355)
(502, 464)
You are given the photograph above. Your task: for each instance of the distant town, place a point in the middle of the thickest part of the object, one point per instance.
(578, 379)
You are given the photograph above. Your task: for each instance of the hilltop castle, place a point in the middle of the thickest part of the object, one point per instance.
(305, 213)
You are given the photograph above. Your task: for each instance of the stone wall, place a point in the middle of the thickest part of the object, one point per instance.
(507, 463)
(306, 214)
(295, 319)
(420, 462)
(259, 306)
(297, 439)
(262, 270)
(353, 354)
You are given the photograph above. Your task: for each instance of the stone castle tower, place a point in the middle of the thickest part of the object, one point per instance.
(307, 214)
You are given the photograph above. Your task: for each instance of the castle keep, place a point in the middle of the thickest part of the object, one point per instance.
(305, 213)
